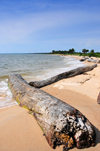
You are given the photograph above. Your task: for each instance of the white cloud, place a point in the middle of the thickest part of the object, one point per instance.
(16, 29)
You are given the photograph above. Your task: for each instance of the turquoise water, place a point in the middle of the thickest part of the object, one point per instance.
(31, 67)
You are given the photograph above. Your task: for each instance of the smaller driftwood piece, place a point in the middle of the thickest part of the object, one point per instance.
(61, 123)
(67, 74)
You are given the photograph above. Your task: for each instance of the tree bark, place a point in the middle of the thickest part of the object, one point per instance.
(61, 123)
(71, 73)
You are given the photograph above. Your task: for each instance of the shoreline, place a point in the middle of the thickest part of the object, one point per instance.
(46, 73)
(20, 131)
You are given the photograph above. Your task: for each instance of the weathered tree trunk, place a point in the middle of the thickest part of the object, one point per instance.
(61, 123)
(71, 73)
(98, 99)
(93, 60)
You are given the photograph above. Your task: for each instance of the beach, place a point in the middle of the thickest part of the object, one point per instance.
(49, 75)
(20, 131)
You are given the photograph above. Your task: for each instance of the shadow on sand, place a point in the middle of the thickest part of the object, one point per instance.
(97, 135)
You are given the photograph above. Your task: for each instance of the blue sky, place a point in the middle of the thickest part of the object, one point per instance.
(44, 25)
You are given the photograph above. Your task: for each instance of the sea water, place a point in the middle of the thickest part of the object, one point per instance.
(31, 67)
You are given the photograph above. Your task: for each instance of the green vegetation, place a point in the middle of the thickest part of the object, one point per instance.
(84, 52)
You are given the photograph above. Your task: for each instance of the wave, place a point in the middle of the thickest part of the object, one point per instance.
(6, 98)
(36, 67)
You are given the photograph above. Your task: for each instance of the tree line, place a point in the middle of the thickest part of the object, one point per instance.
(84, 52)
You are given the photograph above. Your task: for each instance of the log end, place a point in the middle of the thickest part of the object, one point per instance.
(78, 132)
(36, 84)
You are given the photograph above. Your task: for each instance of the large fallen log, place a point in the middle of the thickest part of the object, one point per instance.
(71, 73)
(61, 123)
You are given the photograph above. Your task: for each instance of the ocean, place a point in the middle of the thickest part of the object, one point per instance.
(31, 67)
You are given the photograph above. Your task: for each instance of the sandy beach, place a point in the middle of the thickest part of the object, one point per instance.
(49, 75)
(19, 130)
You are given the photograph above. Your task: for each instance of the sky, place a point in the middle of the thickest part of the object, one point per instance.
(33, 26)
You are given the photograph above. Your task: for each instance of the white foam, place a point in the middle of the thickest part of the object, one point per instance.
(6, 98)
(69, 64)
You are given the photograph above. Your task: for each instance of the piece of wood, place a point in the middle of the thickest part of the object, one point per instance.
(84, 59)
(98, 99)
(67, 74)
(61, 123)
(93, 60)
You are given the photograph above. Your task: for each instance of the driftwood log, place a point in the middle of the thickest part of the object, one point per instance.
(84, 59)
(93, 60)
(88, 59)
(98, 99)
(61, 123)
(71, 73)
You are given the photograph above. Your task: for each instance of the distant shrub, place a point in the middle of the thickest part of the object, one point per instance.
(92, 54)
(92, 51)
